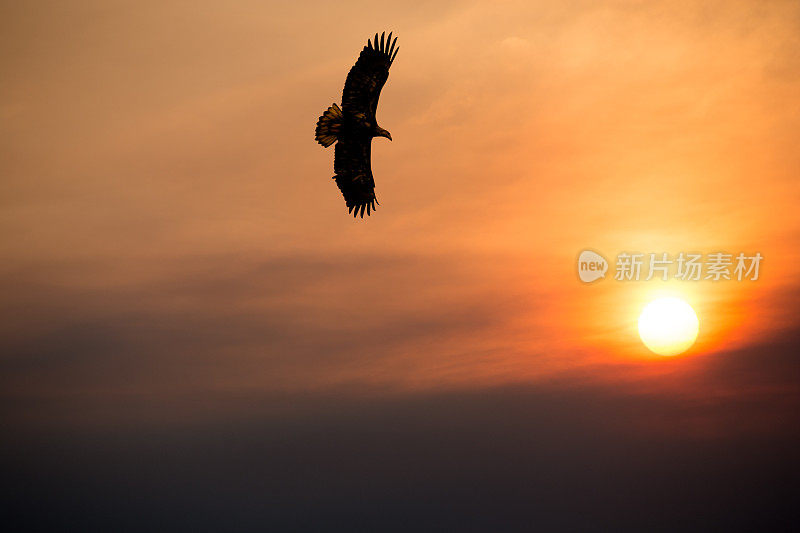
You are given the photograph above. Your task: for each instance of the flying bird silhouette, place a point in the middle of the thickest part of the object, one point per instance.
(354, 125)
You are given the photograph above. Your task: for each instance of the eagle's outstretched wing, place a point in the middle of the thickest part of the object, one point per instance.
(354, 174)
(365, 80)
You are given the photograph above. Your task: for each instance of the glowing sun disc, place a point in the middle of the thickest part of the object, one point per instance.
(668, 326)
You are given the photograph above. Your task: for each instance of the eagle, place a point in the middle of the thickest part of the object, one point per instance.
(353, 126)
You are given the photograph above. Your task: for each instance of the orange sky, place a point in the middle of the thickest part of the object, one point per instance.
(170, 226)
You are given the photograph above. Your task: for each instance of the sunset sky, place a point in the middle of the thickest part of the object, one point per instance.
(192, 321)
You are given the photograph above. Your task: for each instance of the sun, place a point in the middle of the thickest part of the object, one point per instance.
(668, 326)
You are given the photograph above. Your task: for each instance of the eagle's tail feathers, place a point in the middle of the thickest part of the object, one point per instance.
(328, 126)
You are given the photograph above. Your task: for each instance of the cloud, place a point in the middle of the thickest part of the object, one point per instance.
(288, 323)
(560, 454)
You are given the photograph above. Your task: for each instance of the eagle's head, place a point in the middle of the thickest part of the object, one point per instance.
(380, 132)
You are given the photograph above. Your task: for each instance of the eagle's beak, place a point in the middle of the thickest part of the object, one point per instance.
(386, 134)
